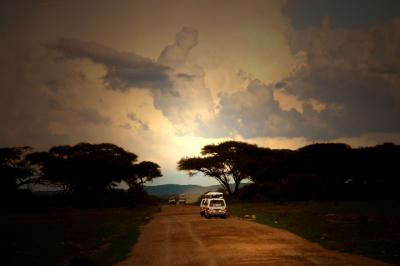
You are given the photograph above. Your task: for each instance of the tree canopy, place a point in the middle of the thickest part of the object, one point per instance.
(15, 171)
(92, 168)
(143, 172)
(316, 171)
(229, 161)
(84, 168)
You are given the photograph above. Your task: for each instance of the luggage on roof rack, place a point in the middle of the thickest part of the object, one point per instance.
(213, 195)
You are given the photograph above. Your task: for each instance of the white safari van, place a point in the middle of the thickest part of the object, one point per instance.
(213, 204)
(215, 207)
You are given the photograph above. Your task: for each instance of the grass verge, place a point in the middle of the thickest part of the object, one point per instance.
(369, 228)
(81, 236)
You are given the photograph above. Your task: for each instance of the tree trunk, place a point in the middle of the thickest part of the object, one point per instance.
(237, 183)
(227, 187)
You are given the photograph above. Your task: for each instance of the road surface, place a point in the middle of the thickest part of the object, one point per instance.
(179, 236)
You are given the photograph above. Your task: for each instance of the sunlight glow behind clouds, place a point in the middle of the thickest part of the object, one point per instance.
(247, 74)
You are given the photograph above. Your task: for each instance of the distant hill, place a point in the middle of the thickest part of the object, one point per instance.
(192, 192)
(169, 189)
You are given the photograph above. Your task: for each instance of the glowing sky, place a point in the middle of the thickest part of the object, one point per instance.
(163, 78)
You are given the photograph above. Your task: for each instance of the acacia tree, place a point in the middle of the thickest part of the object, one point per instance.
(141, 173)
(92, 168)
(85, 168)
(15, 170)
(226, 162)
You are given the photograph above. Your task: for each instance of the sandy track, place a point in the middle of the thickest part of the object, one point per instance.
(179, 236)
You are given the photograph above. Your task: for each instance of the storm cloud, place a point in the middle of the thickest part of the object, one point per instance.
(279, 73)
(354, 75)
(124, 70)
(177, 86)
(251, 113)
(349, 14)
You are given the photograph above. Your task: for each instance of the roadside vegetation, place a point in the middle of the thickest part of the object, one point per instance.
(369, 228)
(83, 218)
(71, 236)
(344, 198)
(321, 171)
(84, 169)
(90, 219)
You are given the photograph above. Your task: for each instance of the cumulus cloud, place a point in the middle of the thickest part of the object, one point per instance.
(177, 86)
(238, 112)
(176, 54)
(192, 101)
(349, 73)
(352, 75)
(253, 113)
(124, 70)
(355, 73)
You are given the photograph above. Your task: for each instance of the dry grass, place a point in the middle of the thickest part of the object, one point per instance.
(370, 228)
(103, 236)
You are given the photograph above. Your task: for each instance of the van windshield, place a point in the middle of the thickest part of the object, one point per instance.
(217, 203)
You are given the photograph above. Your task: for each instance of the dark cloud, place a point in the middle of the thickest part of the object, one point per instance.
(178, 88)
(253, 113)
(185, 76)
(356, 103)
(124, 70)
(350, 14)
(347, 67)
(133, 117)
(353, 74)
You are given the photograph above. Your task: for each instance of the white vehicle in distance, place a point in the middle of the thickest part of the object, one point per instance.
(172, 200)
(215, 207)
(182, 199)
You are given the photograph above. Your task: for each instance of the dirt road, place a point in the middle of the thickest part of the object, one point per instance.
(179, 236)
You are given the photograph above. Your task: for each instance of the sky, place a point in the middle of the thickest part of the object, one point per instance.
(164, 78)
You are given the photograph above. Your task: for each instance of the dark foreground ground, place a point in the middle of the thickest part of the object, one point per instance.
(369, 228)
(179, 236)
(60, 236)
